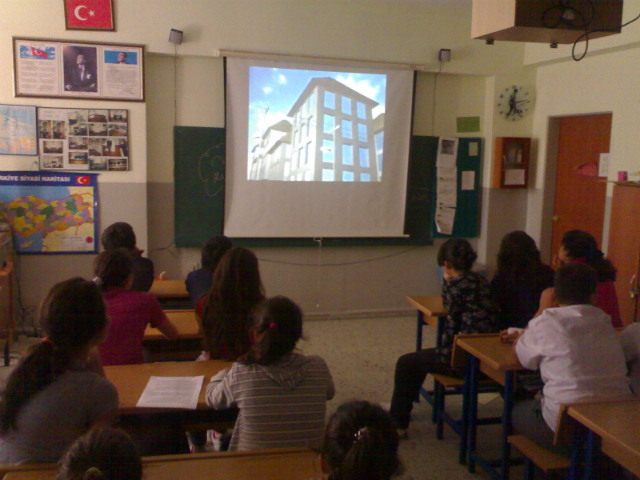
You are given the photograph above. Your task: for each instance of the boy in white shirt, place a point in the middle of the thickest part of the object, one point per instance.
(577, 350)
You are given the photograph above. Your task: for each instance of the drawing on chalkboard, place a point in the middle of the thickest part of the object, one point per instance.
(211, 171)
(307, 125)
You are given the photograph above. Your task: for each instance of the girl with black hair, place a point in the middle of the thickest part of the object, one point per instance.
(102, 454)
(199, 281)
(520, 280)
(130, 311)
(58, 390)
(467, 297)
(580, 247)
(281, 394)
(361, 443)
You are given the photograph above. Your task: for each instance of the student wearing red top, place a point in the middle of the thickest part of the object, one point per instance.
(580, 247)
(130, 311)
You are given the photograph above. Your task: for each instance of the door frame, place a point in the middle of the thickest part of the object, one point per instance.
(549, 195)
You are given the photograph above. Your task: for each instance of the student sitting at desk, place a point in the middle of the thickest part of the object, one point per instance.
(467, 297)
(282, 395)
(199, 281)
(121, 235)
(576, 349)
(630, 338)
(58, 390)
(226, 309)
(520, 280)
(130, 312)
(361, 442)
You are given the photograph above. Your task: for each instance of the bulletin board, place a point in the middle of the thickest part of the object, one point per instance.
(467, 217)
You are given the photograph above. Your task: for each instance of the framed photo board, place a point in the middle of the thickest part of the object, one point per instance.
(83, 139)
(18, 130)
(63, 69)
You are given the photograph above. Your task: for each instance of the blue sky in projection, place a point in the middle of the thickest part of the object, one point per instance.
(279, 88)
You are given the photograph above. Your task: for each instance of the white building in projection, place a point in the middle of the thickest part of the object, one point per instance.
(332, 133)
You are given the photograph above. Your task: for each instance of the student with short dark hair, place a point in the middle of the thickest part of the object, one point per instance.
(270, 379)
(577, 350)
(130, 311)
(121, 235)
(58, 390)
(360, 443)
(199, 281)
(467, 297)
(103, 453)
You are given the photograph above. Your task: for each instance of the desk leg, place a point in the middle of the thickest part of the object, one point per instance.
(473, 411)
(464, 427)
(419, 331)
(592, 449)
(506, 422)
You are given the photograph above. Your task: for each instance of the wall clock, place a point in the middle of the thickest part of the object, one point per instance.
(514, 103)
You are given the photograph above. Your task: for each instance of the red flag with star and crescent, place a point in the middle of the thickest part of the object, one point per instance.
(91, 14)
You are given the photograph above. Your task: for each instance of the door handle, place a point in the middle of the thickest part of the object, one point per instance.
(556, 218)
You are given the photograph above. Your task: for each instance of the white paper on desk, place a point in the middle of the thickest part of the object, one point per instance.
(444, 220)
(172, 392)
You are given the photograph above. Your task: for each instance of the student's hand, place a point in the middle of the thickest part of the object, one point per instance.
(506, 337)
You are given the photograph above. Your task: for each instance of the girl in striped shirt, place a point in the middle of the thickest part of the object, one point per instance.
(281, 394)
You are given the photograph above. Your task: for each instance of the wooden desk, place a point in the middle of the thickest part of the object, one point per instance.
(487, 354)
(131, 380)
(164, 289)
(430, 312)
(184, 320)
(616, 423)
(277, 464)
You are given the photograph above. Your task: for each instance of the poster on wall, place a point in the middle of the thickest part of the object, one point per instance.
(50, 68)
(18, 130)
(83, 139)
(50, 213)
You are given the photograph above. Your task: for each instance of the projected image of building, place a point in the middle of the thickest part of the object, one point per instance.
(332, 133)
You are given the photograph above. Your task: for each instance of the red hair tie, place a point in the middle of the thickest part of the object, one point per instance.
(273, 326)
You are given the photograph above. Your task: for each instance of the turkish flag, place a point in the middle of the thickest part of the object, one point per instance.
(36, 52)
(83, 180)
(90, 14)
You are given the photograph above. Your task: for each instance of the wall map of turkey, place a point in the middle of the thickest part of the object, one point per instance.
(50, 213)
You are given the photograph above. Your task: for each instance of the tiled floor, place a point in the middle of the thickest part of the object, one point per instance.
(361, 355)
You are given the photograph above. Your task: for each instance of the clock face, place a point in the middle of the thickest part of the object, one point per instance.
(514, 103)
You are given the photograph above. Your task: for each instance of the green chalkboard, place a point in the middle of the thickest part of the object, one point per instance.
(199, 172)
(418, 209)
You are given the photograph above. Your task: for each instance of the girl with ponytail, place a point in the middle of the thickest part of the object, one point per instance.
(58, 390)
(466, 296)
(580, 247)
(267, 381)
(361, 443)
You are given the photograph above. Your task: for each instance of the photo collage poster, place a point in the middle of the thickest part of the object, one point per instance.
(83, 139)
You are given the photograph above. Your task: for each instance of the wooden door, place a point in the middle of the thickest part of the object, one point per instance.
(624, 248)
(580, 198)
